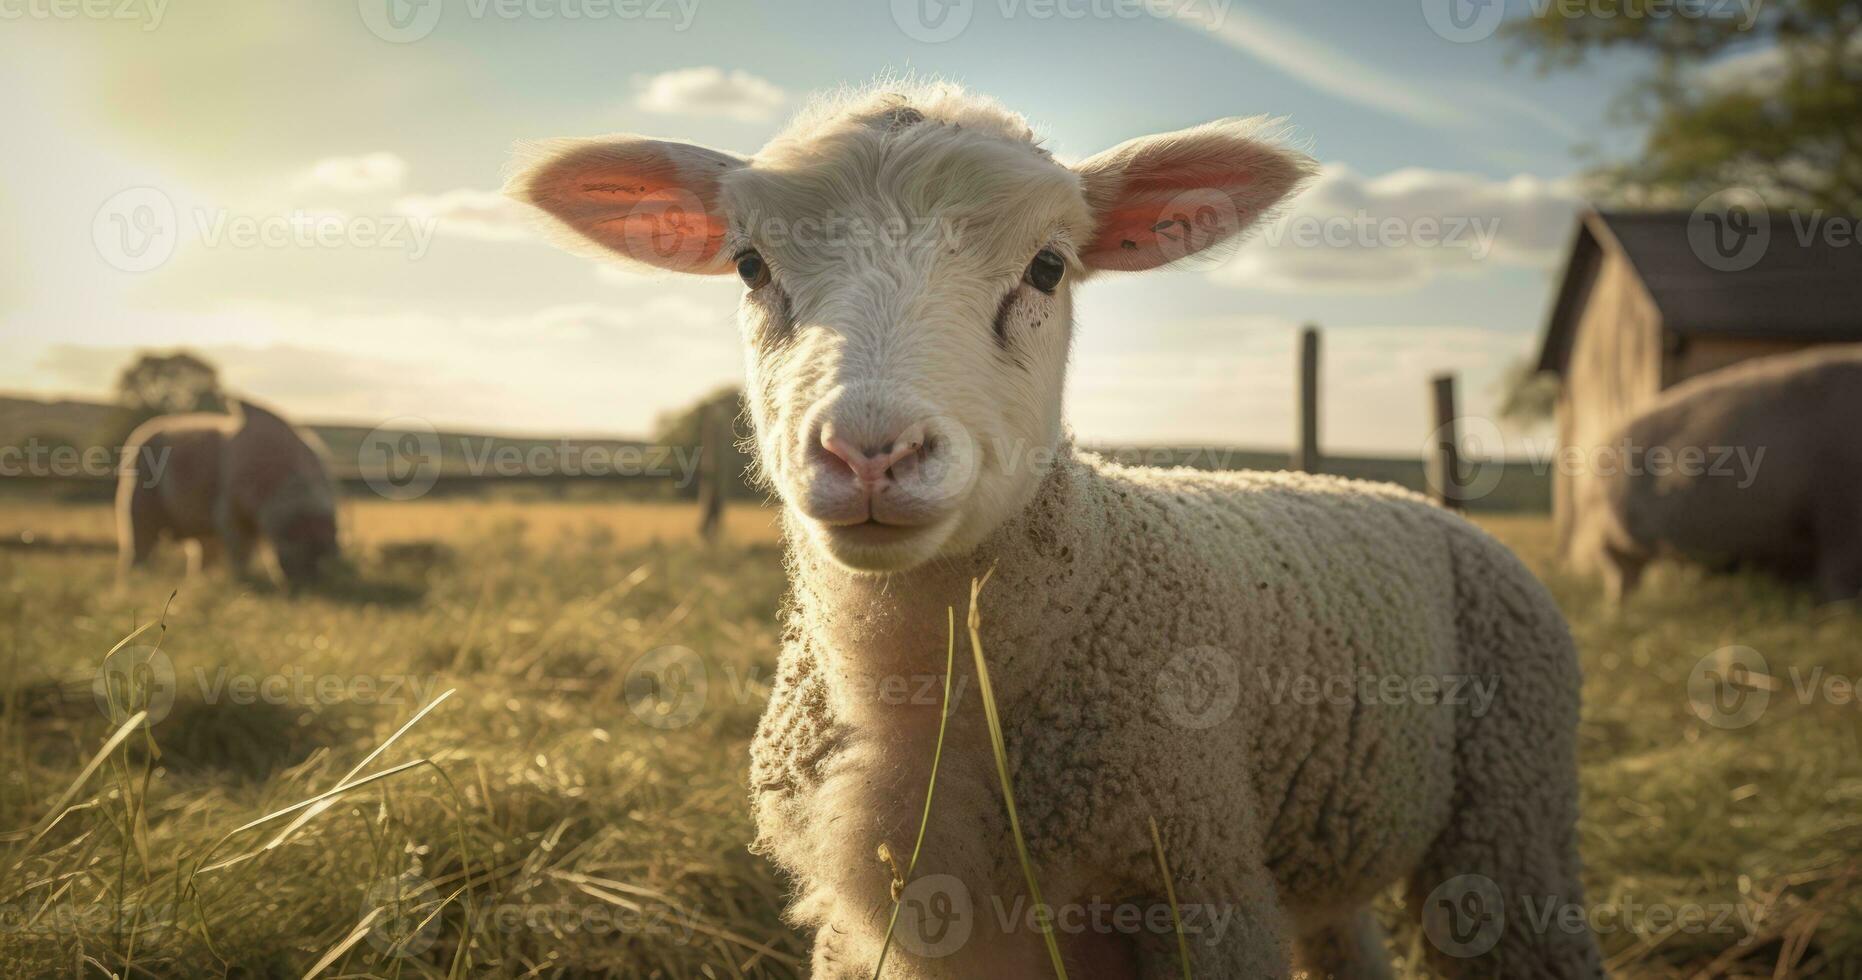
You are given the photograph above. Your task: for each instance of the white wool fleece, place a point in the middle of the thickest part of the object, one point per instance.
(1317, 687)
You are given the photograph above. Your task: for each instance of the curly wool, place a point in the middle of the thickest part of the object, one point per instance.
(1246, 657)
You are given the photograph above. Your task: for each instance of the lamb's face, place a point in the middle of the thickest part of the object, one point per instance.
(906, 329)
(908, 265)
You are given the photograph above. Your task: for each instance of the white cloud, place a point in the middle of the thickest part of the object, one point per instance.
(583, 367)
(1350, 77)
(709, 91)
(1350, 232)
(366, 174)
(468, 213)
(1318, 65)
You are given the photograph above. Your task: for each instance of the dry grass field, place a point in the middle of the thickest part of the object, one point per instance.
(505, 810)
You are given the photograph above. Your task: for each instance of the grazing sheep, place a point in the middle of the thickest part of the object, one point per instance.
(1281, 669)
(223, 482)
(1752, 464)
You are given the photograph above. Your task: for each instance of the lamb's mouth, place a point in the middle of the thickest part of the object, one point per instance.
(873, 531)
(873, 545)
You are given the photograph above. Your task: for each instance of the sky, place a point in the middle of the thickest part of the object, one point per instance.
(303, 191)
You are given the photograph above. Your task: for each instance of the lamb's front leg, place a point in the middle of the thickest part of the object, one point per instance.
(1233, 926)
(946, 931)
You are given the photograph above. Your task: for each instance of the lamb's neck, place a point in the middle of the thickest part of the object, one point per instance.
(1043, 564)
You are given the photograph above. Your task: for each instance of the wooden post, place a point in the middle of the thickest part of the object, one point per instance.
(1306, 451)
(1444, 464)
(711, 473)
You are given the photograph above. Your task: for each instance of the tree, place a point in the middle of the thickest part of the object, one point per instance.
(166, 384)
(697, 428)
(1764, 96)
(1527, 396)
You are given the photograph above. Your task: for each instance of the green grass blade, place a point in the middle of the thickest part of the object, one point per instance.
(1170, 892)
(336, 952)
(311, 813)
(52, 816)
(1002, 771)
(937, 757)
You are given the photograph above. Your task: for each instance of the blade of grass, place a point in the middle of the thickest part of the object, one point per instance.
(189, 886)
(53, 815)
(937, 757)
(355, 936)
(1002, 771)
(295, 807)
(581, 882)
(1170, 892)
(311, 813)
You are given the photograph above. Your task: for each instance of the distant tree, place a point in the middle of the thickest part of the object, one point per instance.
(160, 384)
(1778, 110)
(1527, 397)
(166, 384)
(719, 414)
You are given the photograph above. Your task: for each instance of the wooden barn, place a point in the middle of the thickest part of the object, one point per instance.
(1640, 310)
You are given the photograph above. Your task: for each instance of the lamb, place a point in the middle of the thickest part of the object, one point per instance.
(1733, 467)
(1261, 662)
(222, 482)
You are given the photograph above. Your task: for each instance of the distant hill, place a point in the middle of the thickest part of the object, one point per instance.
(85, 424)
(467, 461)
(68, 421)
(475, 462)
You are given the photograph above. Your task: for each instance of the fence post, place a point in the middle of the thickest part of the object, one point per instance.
(711, 474)
(1444, 464)
(1306, 455)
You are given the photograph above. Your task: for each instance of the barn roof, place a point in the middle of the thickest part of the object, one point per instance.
(1802, 287)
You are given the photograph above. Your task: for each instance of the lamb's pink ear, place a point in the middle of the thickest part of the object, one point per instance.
(649, 201)
(1161, 198)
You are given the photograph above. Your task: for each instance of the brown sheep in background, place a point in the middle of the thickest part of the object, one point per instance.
(223, 482)
(1756, 464)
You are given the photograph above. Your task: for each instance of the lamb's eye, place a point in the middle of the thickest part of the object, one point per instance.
(1045, 271)
(753, 269)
